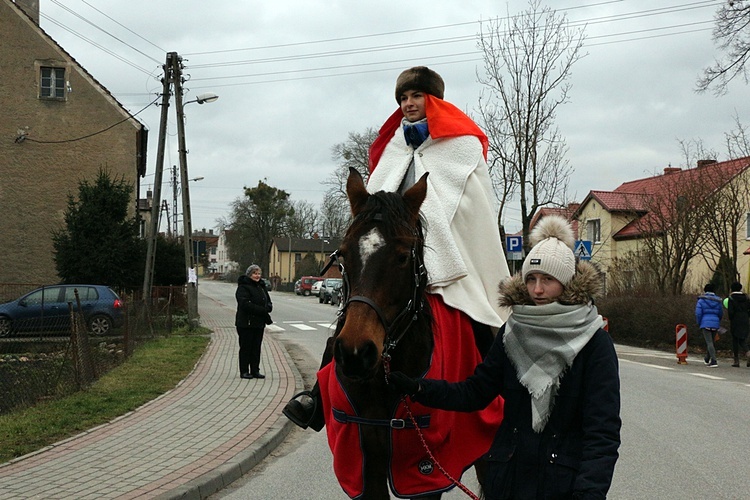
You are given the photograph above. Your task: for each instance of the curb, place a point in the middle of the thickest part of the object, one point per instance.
(224, 475)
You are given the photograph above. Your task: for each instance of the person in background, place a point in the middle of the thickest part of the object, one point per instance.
(429, 134)
(708, 313)
(558, 372)
(254, 308)
(738, 306)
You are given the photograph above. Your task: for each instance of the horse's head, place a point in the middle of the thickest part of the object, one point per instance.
(382, 254)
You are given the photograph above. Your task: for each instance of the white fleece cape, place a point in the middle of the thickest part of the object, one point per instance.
(463, 253)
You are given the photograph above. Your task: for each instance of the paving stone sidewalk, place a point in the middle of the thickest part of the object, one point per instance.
(188, 443)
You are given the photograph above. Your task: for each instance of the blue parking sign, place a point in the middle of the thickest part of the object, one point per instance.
(514, 243)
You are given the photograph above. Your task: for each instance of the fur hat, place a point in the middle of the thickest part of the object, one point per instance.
(552, 252)
(252, 269)
(419, 78)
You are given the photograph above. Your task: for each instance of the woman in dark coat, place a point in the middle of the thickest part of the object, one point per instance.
(558, 372)
(738, 306)
(253, 314)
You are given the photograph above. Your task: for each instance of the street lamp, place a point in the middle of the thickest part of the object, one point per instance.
(187, 229)
(201, 98)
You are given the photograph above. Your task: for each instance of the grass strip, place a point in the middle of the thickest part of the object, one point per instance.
(154, 368)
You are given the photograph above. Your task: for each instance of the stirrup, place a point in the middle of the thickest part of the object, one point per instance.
(300, 413)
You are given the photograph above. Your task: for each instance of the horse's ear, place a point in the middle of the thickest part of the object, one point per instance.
(356, 191)
(415, 195)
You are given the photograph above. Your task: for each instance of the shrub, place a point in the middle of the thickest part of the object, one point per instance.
(650, 321)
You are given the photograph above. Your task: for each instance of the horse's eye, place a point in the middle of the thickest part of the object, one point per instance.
(403, 258)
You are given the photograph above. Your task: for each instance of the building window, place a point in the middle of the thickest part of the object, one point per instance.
(52, 83)
(594, 230)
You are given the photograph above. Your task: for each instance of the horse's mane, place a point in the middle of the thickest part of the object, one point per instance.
(390, 209)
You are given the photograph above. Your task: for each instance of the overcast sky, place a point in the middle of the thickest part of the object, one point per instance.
(295, 77)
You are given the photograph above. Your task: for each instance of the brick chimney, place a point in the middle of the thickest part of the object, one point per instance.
(671, 170)
(30, 7)
(705, 163)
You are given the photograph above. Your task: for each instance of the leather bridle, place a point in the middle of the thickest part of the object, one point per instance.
(396, 328)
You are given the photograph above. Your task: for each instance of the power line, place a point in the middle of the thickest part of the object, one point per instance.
(437, 41)
(125, 27)
(102, 29)
(381, 34)
(94, 133)
(98, 46)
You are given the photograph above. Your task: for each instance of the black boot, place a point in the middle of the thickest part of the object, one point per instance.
(307, 411)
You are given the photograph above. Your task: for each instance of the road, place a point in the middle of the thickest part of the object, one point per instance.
(685, 427)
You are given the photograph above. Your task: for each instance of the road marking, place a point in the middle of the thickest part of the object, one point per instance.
(647, 364)
(302, 326)
(703, 375)
(646, 355)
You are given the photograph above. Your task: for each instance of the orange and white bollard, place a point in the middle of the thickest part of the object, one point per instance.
(681, 344)
(605, 326)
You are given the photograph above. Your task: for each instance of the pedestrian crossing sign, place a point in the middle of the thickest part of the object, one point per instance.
(582, 249)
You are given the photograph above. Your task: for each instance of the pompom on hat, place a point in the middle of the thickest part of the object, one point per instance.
(420, 78)
(552, 242)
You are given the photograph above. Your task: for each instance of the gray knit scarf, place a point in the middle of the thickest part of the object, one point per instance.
(542, 342)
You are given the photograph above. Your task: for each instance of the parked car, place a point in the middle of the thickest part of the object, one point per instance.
(305, 285)
(325, 289)
(315, 290)
(336, 293)
(267, 282)
(46, 309)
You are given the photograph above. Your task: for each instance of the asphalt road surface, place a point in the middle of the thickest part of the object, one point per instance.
(686, 428)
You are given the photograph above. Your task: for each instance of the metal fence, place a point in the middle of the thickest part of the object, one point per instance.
(66, 356)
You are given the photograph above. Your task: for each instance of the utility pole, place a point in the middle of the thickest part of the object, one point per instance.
(148, 276)
(174, 198)
(165, 209)
(192, 290)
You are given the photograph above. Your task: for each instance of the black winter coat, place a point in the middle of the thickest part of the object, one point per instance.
(574, 456)
(739, 314)
(253, 304)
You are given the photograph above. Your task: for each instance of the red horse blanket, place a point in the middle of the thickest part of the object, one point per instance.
(455, 439)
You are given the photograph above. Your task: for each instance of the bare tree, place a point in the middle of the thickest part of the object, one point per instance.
(727, 214)
(724, 206)
(354, 152)
(737, 140)
(304, 221)
(527, 63)
(334, 216)
(732, 35)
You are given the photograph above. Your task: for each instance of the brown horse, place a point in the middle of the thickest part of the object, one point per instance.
(385, 324)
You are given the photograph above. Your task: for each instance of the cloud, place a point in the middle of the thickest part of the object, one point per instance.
(294, 78)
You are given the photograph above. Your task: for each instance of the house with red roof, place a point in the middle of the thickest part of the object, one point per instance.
(618, 222)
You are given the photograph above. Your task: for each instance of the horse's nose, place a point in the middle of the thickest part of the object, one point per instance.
(355, 361)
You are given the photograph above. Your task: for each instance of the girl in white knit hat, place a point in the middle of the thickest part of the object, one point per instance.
(557, 370)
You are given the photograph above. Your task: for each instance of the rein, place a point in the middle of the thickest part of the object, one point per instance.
(394, 332)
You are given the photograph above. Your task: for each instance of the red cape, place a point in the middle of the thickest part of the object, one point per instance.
(456, 439)
(444, 120)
